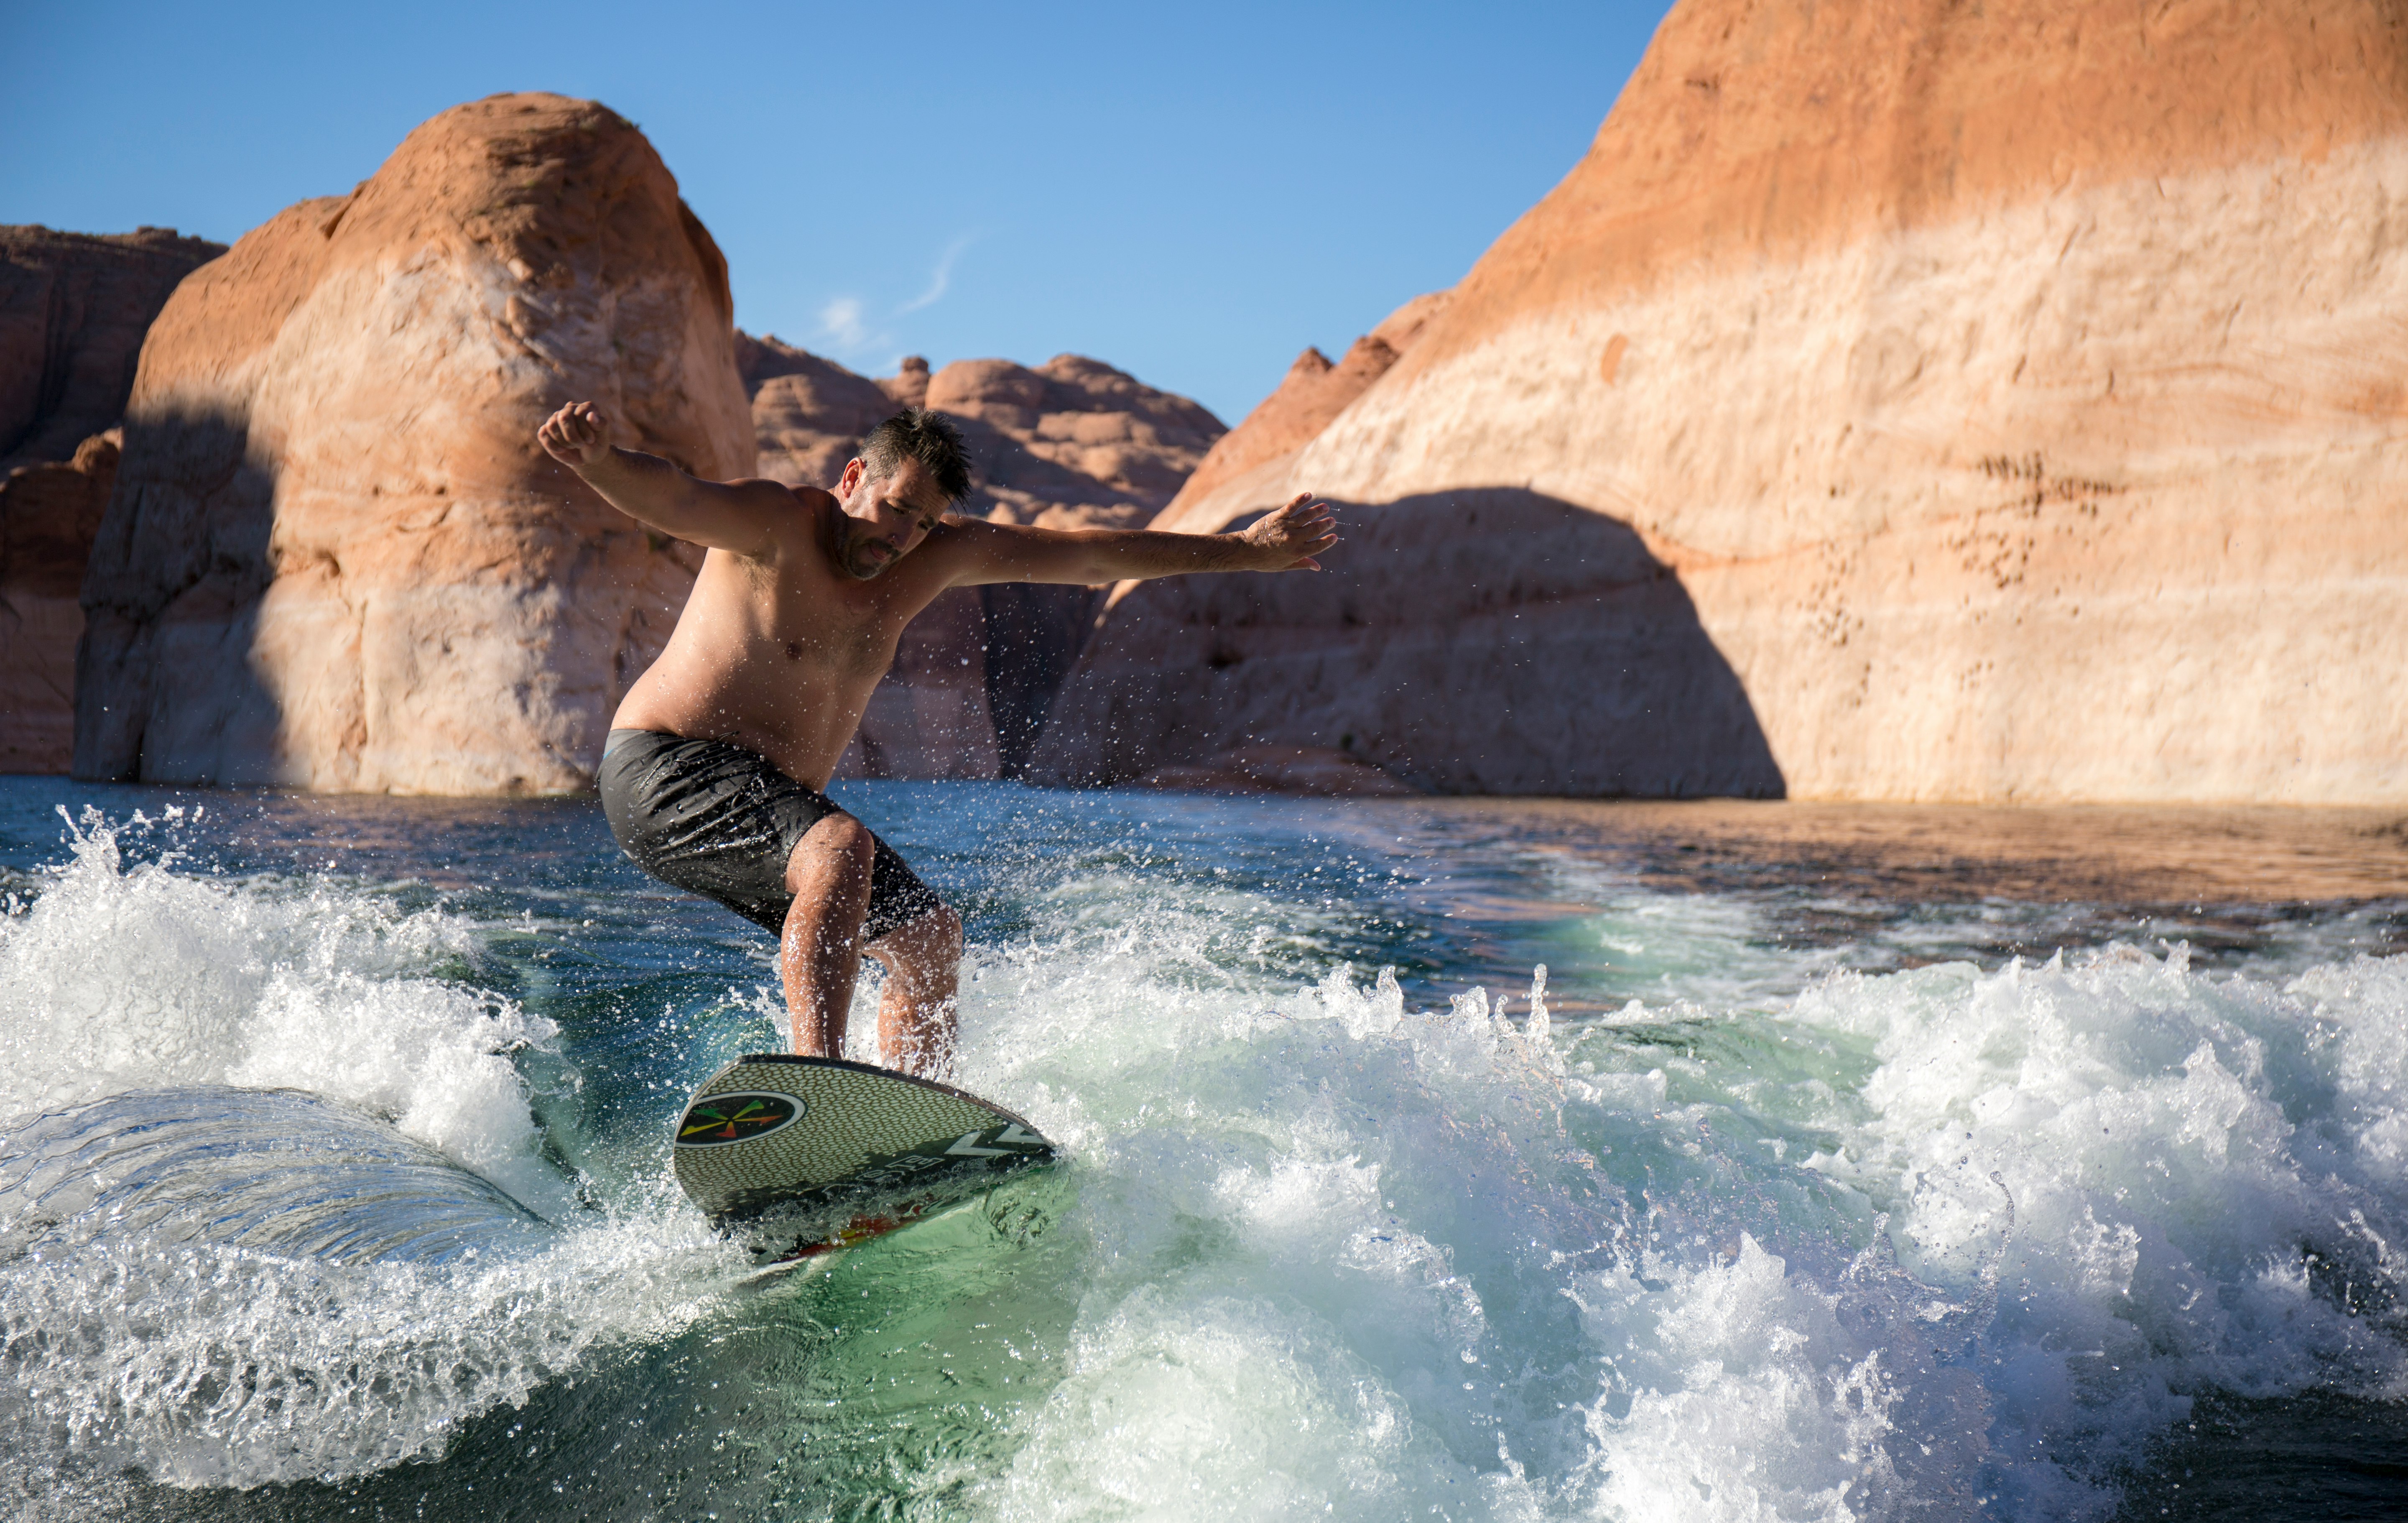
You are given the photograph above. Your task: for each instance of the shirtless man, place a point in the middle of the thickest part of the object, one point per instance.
(714, 771)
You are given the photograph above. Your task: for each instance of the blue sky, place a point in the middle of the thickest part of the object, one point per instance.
(1191, 193)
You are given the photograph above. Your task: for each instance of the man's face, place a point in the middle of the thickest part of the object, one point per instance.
(885, 517)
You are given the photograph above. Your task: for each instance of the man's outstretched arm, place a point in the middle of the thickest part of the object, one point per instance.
(723, 515)
(1288, 539)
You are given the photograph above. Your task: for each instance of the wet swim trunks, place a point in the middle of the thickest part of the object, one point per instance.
(719, 821)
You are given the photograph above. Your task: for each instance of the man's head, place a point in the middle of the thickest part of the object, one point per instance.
(912, 468)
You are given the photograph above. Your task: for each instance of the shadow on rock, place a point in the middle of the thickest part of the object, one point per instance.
(165, 688)
(1492, 640)
(1033, 635)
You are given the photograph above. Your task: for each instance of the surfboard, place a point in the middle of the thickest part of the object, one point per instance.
(796, 1156)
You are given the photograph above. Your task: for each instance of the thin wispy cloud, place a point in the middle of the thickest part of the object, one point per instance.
(941, 280)
(841, 324)
(848, 331)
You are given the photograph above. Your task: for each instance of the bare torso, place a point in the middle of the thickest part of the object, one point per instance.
(778, 653)
(794, 618)
(804, 594)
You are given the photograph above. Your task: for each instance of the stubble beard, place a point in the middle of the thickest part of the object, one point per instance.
(852, 550)
(860, 566)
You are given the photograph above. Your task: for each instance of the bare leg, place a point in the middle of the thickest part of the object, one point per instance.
(818, 955)
(916, 1018)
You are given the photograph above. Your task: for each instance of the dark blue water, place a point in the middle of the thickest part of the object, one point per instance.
(1845, 1163)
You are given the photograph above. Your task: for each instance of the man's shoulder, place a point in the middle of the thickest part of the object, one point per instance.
(762, 491)
(956, 532)
(773, 492)
(791, 514)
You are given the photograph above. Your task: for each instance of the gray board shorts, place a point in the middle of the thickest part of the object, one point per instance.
(718, 820)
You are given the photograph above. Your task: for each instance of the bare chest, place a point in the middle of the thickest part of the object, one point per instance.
(846, 631)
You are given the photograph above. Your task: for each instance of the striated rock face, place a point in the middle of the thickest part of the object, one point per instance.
(1911, 400)
(49, 513)
(335, 557)
(1073, 443)
(808, 414)
(72, 310)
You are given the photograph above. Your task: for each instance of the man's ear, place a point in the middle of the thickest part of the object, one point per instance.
(854, 471)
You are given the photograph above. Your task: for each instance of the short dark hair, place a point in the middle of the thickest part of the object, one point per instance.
(929, 437)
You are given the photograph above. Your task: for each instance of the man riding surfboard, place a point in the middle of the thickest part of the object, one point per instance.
(714, 773)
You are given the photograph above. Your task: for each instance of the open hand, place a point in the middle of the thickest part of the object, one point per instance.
(1292, 535)
(577, 436)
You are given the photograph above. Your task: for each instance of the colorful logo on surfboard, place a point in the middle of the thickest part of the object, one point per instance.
(720, 1119)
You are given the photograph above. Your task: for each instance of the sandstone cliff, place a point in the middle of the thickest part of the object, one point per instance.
(72, 310)
(335, 557)
(1908, 401)
(1073, 443)
(1312, 394)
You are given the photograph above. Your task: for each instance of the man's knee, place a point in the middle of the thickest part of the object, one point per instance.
(934, 936)
(944, 933)
(838, 850)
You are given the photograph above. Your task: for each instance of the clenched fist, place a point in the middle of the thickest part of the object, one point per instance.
(577, 436)
(1292, 535)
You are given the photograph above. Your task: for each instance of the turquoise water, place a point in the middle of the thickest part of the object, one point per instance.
(1809, 1180)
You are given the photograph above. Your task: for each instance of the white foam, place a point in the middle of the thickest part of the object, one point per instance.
(1943, 1243)
(206, 1364)
(209, 1365)
(142, 977)
(1218, 1406)
(2027, 1215)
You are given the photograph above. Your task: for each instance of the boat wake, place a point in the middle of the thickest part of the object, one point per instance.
(1772, 1240)
(220, 1283)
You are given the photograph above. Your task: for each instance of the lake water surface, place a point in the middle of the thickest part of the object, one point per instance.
(1845, 1163)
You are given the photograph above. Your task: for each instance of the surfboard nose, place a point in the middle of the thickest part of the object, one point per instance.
(795, 1155)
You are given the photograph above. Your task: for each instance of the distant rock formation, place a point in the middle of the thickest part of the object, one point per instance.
(72, 310)
(1904, 401)
(1073, 443)
(335, 558)
(809, 415)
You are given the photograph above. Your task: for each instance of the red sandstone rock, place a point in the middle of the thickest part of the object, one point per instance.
(1314, 393)
(336, 558)
(49, 513)
(72, 310)
(1073, 443)
(808, 414)
(1905, 400)
(909, 387)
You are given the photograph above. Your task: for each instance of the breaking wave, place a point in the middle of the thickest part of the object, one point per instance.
(1774, 1241)
(265, 1200)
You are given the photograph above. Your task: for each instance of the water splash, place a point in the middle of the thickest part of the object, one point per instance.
(123, 977)
(1766, 1241)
